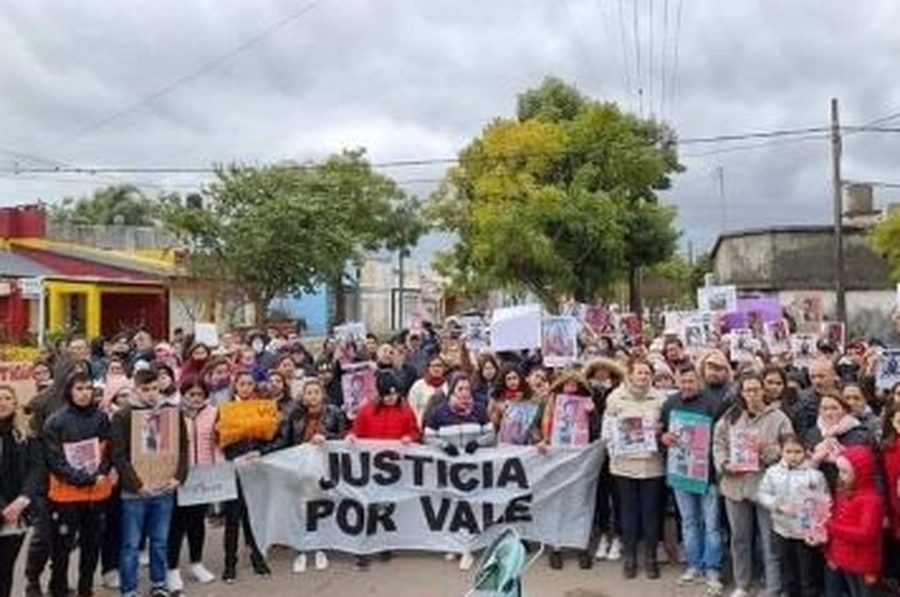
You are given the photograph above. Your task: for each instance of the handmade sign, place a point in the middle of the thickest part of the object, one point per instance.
(83, 455)
(777, 335)
(155, 444)
(387, 496)
(350, 339)
(803, 347)
(741, 348)
(358, 385)
(571, 422)
(210, 484)
(743, 450)
(18, 375)
(517, 423)
(834, 332)
(247, 420)
(717, 298)
(559, 341)
(687, 462)
(516, 328)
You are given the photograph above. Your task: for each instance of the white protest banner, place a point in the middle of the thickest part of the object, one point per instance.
(384, 496)
(516, 328)
(209, 484)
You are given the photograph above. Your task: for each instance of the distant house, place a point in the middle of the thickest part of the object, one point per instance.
(797, 263)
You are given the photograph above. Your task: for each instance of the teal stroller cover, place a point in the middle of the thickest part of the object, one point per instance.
(501, 567)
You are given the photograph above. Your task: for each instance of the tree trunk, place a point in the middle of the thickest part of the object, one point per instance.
(339, 296)
(634, 289)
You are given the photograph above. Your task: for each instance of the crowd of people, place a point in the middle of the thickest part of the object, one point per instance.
(69, 471)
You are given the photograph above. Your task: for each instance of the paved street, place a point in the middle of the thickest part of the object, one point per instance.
(413, 575)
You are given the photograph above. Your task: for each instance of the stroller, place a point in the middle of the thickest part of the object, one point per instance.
(501, 567)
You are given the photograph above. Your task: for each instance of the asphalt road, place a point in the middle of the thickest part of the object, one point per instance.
(407, 575)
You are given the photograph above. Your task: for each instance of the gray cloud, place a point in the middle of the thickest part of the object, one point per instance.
(411, 79)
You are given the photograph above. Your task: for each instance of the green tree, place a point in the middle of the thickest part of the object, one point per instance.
(885, 240)
(115, 204)
(560, 201)
(286, 228)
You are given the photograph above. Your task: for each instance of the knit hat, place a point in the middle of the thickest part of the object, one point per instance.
(386, 383)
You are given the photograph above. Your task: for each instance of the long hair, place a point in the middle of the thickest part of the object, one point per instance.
(740, 404)
(19, 423)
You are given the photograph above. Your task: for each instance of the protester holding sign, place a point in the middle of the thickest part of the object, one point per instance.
(190, 521)
(150, 453)
(698, 503)
(76, 448)
(749, 417)
(457, 425)
(20, 471)
(629, 431)
(422, 391)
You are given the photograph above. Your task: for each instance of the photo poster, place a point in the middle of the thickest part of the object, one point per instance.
(809, 312)
(754, 314)
(743, 450)
(741, 346)
(812, 510)
(559, 341)
(599, 320)
(517, 423)
(835, 332)
(155, 440)
(711, 299)
(476, 332)
(516, 328)
(634, 437)
(350, 339)
(887, 375)
(358, 385)
(897, 298)
(206, 333)
(631, 328)
(83, 455)
(571, 421)
(687, 461)
(778, 338)
(693, 329)
(803, 347)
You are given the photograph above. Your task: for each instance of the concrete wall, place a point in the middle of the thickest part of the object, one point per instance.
(744, 261)
(869, 313)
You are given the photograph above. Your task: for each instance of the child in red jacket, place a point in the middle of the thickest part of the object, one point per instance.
(890, 451)
(854, 544)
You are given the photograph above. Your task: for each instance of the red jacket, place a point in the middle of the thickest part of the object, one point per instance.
(377, 421)
(891, 455)
(855, 528)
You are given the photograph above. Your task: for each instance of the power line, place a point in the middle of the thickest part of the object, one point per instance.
(650, 55)
(637, 54)
(665, 53)
(626, 57)
(185, 79)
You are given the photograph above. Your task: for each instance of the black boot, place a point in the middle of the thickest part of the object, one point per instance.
(556, 560)
(585, 560)
(651, 565)
(629, 561)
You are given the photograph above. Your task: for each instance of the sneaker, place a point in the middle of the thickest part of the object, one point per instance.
(449, 557)
(159, 591)
(714, 586)
(230, 575)
(386, 556)
(740, 593)
(144, 558)
(299, 566)
(260, 567)
(321, 560)
(174, 581)
(556, 560)
(110, 580)
(465, 561)
(201, 573)
(615, 550)
(689, 576)
(602, 548)
(362, 562)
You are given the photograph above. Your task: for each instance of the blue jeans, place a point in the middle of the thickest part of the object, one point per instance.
(701, 529)
(153, 514)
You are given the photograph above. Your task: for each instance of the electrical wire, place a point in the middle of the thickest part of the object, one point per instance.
(626, 57)
(665, 54)
(637, 53)
(189, 77)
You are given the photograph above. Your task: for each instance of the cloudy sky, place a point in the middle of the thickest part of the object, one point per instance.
(183, 84)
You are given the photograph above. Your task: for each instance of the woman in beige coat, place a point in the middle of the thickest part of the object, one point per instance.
(745, 443)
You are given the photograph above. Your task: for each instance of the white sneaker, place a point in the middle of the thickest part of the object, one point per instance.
(111, 579)
(450, 557)
(602, 548)
(615, 550)
(144, 558)
(740, 593)
(689, 576)
(173, 581)
(321, 561)
(662, 556)
(299, 566)
(714, 586)
(465, 561)
(201, 573)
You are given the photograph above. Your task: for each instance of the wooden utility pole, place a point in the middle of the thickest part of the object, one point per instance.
(839, 290)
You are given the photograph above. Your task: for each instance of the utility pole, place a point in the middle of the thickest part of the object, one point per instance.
(837, 190)
(401, 275)
(720, 177)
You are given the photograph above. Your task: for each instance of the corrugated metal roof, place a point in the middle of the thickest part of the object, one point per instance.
(17, 266)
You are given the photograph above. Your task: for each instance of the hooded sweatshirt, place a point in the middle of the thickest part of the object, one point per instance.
(854, 531)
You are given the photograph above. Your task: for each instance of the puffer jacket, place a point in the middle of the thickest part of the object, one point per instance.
(770, 425)
(20, 467)
(891, 461)
(854, 531)
(781, 481)
(203, 448)
(625, 402)
(64, 429)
